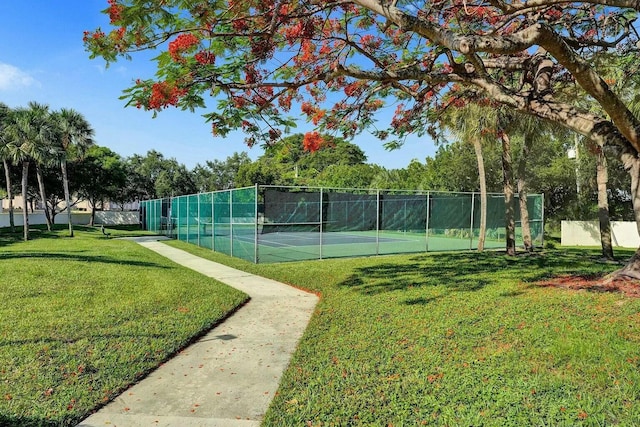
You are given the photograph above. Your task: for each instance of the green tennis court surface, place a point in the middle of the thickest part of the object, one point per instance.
(274, 224)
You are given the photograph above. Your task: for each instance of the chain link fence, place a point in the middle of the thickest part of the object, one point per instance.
(275, 223)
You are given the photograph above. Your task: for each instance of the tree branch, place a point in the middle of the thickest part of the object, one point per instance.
(592, 83)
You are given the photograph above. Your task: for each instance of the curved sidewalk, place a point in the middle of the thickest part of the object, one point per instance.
(230, 375)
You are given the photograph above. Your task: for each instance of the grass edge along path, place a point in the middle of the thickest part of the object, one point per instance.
(83, 318)
(457, 339)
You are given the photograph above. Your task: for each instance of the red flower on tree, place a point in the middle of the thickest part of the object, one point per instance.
(181, 44)
(164, 94)
(312, 141)
(115, 11)
(205, 58)
(314, 113)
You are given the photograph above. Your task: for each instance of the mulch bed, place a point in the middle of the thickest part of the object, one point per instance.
(594, 283)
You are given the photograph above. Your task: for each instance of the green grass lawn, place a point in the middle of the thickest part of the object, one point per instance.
(457, 339)
(81, 318)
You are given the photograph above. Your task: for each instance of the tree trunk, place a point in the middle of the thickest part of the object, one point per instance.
(52, 210)
(631, 164)
(25, 211)
(43, 196)
(93, 213)
(67, 197)
(602, 178)
(522, 194)
(477, 146)
(509, 213)
(7, 176)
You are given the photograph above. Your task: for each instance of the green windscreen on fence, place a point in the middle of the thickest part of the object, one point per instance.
(273, 224)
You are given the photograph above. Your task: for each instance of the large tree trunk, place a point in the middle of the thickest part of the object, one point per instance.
(631, 163)
(7, 176)
(477, 146)
(43, 196)
(67, 197)
(602, 178)
(522, 194)
(25, 211)
(509, 213)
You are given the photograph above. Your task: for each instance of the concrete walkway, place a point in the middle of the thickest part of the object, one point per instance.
(230, 375)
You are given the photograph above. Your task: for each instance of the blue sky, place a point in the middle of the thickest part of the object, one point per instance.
(42, 59)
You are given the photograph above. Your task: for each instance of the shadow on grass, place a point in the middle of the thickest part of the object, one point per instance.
(80, 258)
(473, 271)
(7, 420)
(60, 231)
(8, 238)
(73, 419)
(63, 341)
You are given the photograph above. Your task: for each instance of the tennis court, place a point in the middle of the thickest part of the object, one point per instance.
(266, 224)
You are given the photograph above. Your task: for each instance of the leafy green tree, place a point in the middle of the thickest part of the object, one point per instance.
(146, 174)
(218, 174)
(389, 179)
(348, 176)
(415, 175)
(288, 162)
(585, 206)
(454, 168)
(549, 171)
(162, 177)
(259, 172)
(101, 173)
(174, 180)
(131, 191)
(52, 180)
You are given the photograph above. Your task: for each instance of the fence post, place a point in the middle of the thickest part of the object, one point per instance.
(178, 226)
(255, 216)
(199, 219)
(213, 221)
(188, 217)
(473, 206)
(378, 221)
(231, 220)
(321, 228)
(542, 220)
(427, 224)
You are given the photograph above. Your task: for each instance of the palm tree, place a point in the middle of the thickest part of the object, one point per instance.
(46, 158)
(532, 131)
(47, 152)
(471, 124)
(5, 116)
(507, 173)
(29, 132)
(74, 131)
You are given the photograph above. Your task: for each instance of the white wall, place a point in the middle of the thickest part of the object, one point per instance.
(587, 233)
(102, 217)
(117, 217)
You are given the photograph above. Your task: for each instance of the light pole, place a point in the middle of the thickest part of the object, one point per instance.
(572, 153)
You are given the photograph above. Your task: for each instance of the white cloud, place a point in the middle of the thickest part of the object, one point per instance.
(13, 78)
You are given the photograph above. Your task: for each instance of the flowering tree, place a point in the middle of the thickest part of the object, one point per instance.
(341, 62)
